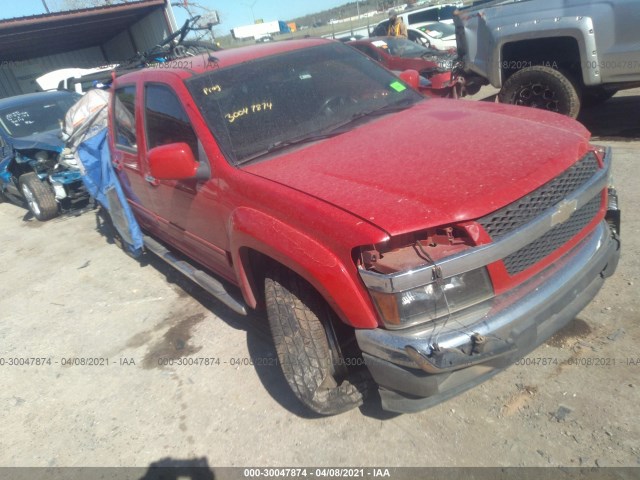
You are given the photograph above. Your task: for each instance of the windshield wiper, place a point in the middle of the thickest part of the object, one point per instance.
(282, 144)
(335, 130)
(398, 106)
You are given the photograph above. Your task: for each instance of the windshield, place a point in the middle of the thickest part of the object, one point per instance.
(280, 100)
(401, 47)
(438, 30)
(35, 116)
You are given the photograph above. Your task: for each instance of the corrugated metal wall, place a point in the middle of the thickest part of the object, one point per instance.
(149, 31)
(119, 48)
(141, 36)
(8, 84)
(25, 73)
(19, 77)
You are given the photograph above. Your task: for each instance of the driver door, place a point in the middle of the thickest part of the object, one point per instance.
(187, 211)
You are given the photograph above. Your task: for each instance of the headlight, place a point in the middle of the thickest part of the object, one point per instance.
(433, 300)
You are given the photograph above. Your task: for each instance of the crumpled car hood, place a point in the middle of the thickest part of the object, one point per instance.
(442, 161)
(40, 141)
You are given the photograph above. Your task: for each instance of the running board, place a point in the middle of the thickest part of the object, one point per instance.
(206, 281)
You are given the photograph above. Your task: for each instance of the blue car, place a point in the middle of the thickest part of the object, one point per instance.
(33, 169)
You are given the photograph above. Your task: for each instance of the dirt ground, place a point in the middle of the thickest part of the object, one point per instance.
(69, 294)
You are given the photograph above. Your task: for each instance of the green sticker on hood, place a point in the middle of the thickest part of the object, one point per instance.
(397, 86)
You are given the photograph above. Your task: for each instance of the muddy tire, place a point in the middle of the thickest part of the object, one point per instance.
(39, 197)
(303, 330)
(541, 87)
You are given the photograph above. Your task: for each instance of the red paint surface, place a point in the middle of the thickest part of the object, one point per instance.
(438, 163)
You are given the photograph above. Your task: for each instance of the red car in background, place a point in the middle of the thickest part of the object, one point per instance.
(400, 54)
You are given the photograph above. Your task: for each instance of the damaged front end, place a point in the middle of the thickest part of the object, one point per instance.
(405, 296)
(57, 168)
(460, 303)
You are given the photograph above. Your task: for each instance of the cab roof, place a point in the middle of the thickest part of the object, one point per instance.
(189, 66)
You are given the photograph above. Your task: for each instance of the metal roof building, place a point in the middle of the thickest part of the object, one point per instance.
(87, 38)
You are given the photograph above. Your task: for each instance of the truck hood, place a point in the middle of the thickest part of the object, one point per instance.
(40, 141)
(439, 162)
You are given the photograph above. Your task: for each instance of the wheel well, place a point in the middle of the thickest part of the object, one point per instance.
(17, 169)
(560, 53)
(256, 265)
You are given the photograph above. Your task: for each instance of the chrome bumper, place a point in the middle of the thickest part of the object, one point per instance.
(473, 346)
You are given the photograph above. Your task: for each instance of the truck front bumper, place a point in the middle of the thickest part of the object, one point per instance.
(474, 346)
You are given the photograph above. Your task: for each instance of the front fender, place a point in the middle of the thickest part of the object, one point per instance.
(334, 278)
(485, 37)
(579, 28)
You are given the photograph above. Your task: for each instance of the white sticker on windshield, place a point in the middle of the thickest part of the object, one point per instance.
(18, 118)
(380, 43)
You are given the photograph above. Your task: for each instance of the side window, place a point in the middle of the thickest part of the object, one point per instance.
(125, 117)
(430, 15)
(369, 51)
(381, 29)
(446, 13)
(166, 120)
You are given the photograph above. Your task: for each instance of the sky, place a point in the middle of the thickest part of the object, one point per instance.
(233, 13)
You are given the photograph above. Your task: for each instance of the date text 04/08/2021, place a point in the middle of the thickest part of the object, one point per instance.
(316, 472)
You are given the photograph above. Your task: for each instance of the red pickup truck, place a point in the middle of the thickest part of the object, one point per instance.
(413, 245)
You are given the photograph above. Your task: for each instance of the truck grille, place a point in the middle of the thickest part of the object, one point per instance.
(516, 214)
(553, 239)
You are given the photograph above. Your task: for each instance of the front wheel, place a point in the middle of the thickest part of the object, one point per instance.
(541, 87)
(303, 327)
(39, 197)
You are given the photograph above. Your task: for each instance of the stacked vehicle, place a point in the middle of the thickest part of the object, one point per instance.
(33, 169)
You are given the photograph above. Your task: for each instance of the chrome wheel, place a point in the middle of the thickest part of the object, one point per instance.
(31, 200)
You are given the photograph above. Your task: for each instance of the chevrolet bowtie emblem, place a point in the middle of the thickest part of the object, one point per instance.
(563, 211)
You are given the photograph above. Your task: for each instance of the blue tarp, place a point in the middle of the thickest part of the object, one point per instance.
(103, 184)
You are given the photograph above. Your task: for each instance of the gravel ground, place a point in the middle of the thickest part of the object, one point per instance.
(67, 293)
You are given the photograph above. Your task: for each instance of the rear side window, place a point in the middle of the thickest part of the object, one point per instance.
(446, 13)
(166, 120)
(436, 14)
(381, 29)
(125, 117)
(369, 51)
(425, 16)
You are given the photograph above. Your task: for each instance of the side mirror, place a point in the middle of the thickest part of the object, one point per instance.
(174, 161)
(412, 77)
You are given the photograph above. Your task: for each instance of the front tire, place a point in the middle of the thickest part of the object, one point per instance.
(303, 330)
(39, 197)
(541, 87)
